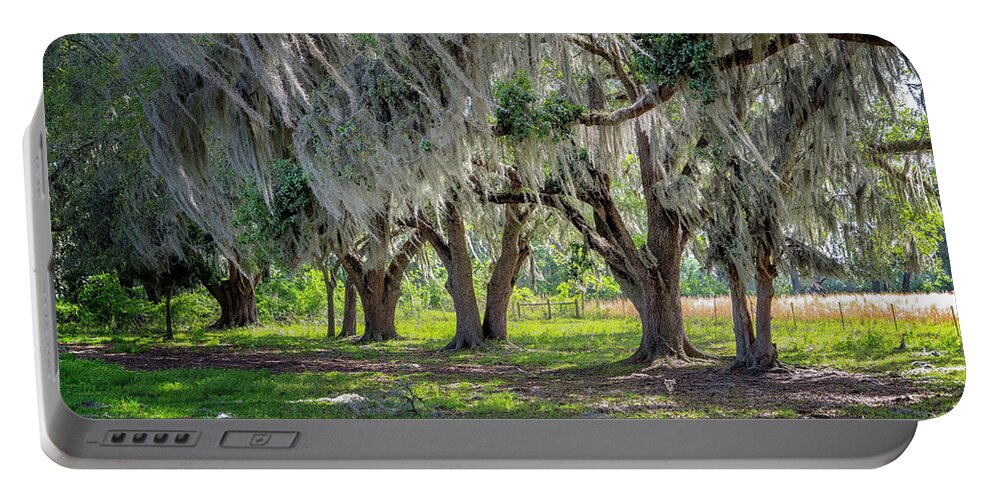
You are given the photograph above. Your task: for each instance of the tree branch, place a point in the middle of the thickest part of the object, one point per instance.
(403, 257)
(745, 57)
(429, 233)
(860, 38)
(663, 93)
(628, 81)
(929, 187)
(352, 266)
(644, 104)
(902, 147)
(602, 245)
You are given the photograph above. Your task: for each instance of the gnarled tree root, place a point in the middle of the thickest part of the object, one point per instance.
(461, 342)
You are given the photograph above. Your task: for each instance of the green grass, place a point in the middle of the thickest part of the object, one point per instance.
(98, 389)
(560, 354)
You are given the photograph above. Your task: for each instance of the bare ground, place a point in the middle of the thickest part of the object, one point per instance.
(273, 360)
(611, 390)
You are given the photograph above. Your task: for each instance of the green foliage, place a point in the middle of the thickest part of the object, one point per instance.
(695, 281)
(900, 125)
(666, 59)
(291, 197)
(275, 230)
(67, 312)
(190, 311)
(282, 298)
(575, 351)
(936, 279)
(110, 212)
(102, 300)
(521, 115)
(567, 290)
(94, 123)
(424, 288)
(292, 298)
(366, 40)
(911, 238)
(393, 90)
(523, 294)
(583, 274)
(103, 303)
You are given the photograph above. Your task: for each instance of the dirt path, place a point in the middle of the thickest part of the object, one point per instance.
(161, 358)
(810, 392)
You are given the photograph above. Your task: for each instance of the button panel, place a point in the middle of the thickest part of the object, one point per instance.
(147, 438)
(259, 439)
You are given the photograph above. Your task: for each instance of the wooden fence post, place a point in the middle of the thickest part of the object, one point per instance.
(893, 312)
(956, 320)
(715, 310)
(548, 303)
(518, 311)
(793, 309)
(577, 309)
(842, 312)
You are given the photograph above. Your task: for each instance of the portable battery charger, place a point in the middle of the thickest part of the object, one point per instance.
(486, 250)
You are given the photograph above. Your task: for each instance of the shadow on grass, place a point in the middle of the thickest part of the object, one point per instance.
(553, 369)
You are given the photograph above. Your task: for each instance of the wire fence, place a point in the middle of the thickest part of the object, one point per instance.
(846, 308)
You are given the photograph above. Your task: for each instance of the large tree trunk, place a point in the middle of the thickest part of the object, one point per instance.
(378, 280)
(764, 354)
(168, 313)
(662, 334)
(906, 281)
(660, 308)
(651, 283)
(744, 333)
(876, 286)
(648, 274)
(380, 319)
(329, 285)
(349, 318)
(468, 328)
(379, 305)
(661, 312)
(513, 252)
(236, 296)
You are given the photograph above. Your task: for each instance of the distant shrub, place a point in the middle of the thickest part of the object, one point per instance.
(189, 310)
(286, 298)
(66, 312)
(103, 301)
(695, 281)
(567, 290)
(523, 294)
(425, 292)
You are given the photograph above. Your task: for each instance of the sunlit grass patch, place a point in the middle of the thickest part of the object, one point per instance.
(519, 379)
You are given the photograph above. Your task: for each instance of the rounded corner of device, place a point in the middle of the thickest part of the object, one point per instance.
(905, 436)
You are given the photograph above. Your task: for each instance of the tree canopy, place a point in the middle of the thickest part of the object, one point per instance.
(221, 157)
